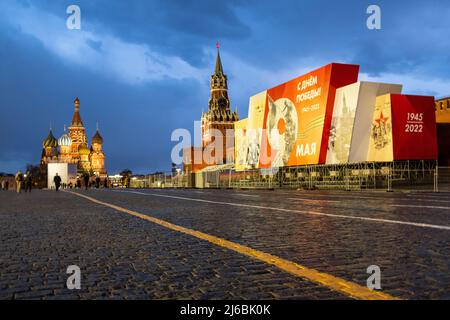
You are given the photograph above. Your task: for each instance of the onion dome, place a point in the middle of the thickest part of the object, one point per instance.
(83, 149)
(50, 141)
(97, 138)
(65, 140)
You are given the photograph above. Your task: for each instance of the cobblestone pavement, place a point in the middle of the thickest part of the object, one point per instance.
(124, 257)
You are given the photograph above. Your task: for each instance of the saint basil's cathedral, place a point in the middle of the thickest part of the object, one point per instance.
(72, 147)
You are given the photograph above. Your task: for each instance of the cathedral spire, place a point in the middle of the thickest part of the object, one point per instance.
(76, 119)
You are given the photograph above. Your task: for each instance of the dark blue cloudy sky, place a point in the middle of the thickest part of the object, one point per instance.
(141, 68)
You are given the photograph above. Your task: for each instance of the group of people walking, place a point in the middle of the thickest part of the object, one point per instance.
(57, 182)
(23, 181)
(5, 184)
(97, 183)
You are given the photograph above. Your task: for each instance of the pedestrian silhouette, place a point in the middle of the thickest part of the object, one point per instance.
(57, 181)
(86, 181)
(28, 181)
(19, 181)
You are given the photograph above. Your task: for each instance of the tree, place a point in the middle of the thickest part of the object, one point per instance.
(126, 173)
(34, 170)
(38, 176)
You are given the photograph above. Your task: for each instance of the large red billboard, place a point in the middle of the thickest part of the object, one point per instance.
(298, 116)
(413, 127)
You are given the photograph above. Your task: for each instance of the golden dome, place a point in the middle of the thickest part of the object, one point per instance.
(83, 149)
(50, 141)
(97, 138)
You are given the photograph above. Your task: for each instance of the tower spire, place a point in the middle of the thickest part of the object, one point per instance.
(218, 70)
(77, 103)
(76, 119)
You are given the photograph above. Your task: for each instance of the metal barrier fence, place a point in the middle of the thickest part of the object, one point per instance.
(160, 180)
(409, 175)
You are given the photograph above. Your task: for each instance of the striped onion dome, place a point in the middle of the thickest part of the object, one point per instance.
(65, 140)
(50, 141)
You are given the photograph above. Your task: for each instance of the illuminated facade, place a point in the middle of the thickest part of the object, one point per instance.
(97, 157)
(72, 147)
(442, 107)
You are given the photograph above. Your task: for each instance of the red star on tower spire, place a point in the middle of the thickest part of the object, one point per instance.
(218, 45)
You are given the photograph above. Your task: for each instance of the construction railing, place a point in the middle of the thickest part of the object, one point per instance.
(411, 175)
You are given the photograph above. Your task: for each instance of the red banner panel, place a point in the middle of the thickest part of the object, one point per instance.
(413, 127)
(298, 114)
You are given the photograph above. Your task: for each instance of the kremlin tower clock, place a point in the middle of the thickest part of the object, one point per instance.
(219, 115)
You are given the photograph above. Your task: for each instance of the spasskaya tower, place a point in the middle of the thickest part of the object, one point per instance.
(219, 115)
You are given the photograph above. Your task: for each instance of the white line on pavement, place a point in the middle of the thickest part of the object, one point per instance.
(247, 195)
(425, 196)
(378, 198)
(415, 224)
(345, 196)
(414, 206)
(314, 200)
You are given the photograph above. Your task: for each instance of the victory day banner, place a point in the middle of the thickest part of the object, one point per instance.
(368, 93)
(255, 126)
(403, 128)
(241, 144)
(298, 114)
(339, 141)
(414, 127)
(352, 117)
(380, 145)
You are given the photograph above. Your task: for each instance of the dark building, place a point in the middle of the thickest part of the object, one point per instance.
(443, 130)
